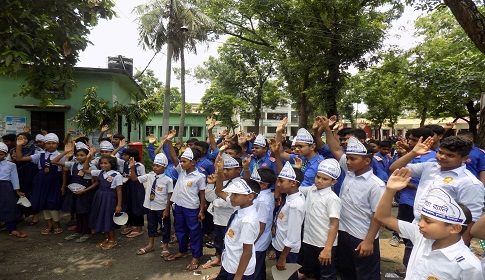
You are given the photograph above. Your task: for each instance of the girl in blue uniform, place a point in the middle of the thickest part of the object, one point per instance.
(9, 185)
(107, 200)
(80, 201)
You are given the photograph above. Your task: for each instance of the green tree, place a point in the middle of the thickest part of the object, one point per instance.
(45, 38)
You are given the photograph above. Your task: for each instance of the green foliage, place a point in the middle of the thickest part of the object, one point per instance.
(45, 38)
(94, 112)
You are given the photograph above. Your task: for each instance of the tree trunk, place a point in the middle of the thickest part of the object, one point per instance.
(303, 110)
(182, 93)
(424, 114)
(470, 19)
(257, 110)
(166, 94)
(473, 114)
(480, 140)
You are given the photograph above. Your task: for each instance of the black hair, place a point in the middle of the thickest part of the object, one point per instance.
(82, 150)
(83, 139)
(235, 147)
(245, 145)
(299, 176)
(438, 129)
(111, 160)
(287, 144)
(358, 133)
(424, 132)
(104, 139)
(267, 175)
(202, 144)
(119, 136)
(385, 144)
(254, 186)
(196, 153)
(192, 140)
(468, 217)
(132, 152)
(27, 135)
(9, 137)
(177, 150)
(344, 131)
(465, 133)
(458, 144)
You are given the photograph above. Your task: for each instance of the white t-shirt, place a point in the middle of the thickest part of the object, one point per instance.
(220, 209)
(320, 206)
(289, 222)
(164, 186)
(453, 262)
(244, 229)
(265, 206)
(71, 164)
(186, 191)
(117, 179)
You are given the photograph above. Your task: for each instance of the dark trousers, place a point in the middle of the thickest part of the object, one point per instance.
(260, 269)
(405, 213)
(82, 223)
(224, 275)
(350, 266)
(154, 217)
(136, 221)
(219, 232)
(187, 224)
(291, 258)
(311, 267)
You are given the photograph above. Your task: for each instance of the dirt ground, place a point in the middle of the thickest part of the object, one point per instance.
(51, 257)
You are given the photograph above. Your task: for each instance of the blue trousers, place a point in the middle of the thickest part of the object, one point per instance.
(350, 266)
(187, 225)
(219, 232)
(260, 269)
(154, 217)
(291, 258)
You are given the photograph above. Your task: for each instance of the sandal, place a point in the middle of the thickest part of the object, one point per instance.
(99, 245)
(210, 264)
(272, 255)
(213, 276)
(84, 238)
(73, 236)
(134, 234)
(71, 222)
(143, 251)
(46, 231)
(172, 258)
(127, 230)
(165, 253)
(58, 230)
(72, 228)
(173, 239)
(192, 266)
(18, 234)
(109, 245)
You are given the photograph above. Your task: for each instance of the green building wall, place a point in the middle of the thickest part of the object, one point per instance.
(195, 125)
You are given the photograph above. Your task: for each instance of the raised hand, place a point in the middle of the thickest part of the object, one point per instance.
(362, 124)
(211, 125)
(422, 147)
(71, 131)
(211, 179)
(132, 162)
(274, 146)
(109, 134)
(282, 125)
(298, 163)
(104, 128)
(21, 141)
(26, 129)
(122, 142)
(332, 121)
(245, 162)
(224, 133)
(152, 139)
(242, 138)
(171, 134)
(69, 147)
(399, 179)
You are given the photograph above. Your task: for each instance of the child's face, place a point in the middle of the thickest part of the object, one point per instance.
(384, 150)
(105, 153)
(232, 153)
(190, 145)
(3, 155)
(285, 185)
(303, 149)
(240, 199)
(158, 169)
(125, 157)
(81, 156)
(449, 160)
(40, 144)
(263, 186)
(187, 164)
(288, 150)
(344, 140)
(116, 141)
(259, 151)
(231, 173)
(10, 144)
(356, 163)
(104, 164)
(51, 146)
(374, 146)
(323, 181)
(433, 229)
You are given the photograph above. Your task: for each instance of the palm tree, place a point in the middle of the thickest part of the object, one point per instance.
(180, 25)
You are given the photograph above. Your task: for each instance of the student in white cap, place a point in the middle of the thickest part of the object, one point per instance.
(189, 199)
(107, 149)
(439, 251)
(260, 157)
(47, 186)
(289, 218)
(322, 214)
(9, 193)
(157, 202)
(39, 143)
(358, 236)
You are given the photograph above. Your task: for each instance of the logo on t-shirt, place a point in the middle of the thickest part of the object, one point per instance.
(281, 215)
(448, 179)
(230, 233)
(189, 184)
(109, 179)
(432, 278)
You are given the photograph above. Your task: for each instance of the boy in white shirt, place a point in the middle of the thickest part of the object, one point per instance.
(157, 202)
(322, 214)
(439, 251)
(289, 219)
(238, 257)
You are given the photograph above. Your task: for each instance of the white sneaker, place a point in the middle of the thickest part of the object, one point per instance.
(395, 241)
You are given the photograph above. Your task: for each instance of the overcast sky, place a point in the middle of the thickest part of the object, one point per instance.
(119, 36)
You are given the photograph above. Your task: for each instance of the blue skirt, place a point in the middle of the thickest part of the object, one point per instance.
(133, 198)
(79, 204)
(102, 210)
(46, 191)
(8, 202)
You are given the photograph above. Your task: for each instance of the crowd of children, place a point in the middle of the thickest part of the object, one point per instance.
(307, 201)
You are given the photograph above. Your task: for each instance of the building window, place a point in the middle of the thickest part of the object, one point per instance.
(294, 117)
(271, 129)
(196, 131)
(169, 128)
(149, 130)
(250, 129)
(276, 116)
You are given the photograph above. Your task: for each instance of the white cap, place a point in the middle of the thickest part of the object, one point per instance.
(330, 167)
(260, 140)
(293, 142)
(255, 175)
(441, 206)
(188, 154)
(288, 172)
(230, 162)
(355, 147)
(120, 218)
(51, 137)
(3, 147)
(81, 145)
(304, 136)
(106, 146)
(238, 187)
(161, 159)
(39, 137)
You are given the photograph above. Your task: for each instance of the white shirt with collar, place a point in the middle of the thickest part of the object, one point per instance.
(8, 172)
(117, 178)
(244, 229)
(265, 206)
(36, 158)
(289, 222)
(70, 165)
(460, 183)
(453, 262)
(119, 163)
(163, 186)
(220, 209)
(360, 196)
(320, 206)
(186, 191)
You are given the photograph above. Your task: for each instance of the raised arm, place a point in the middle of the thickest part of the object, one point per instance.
(279, 138)
(120, 146)
(332, 141)
(212, 140)
(421, 148)
(92, 151)
(67, 149)
(219, 165)
(171, 151)
(18, 150)
(103, 130)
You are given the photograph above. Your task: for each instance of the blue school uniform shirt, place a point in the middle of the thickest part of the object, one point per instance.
(325, 152)
(309, 168)
(407, 196)
(8, 172)
(205, 166)
(384, 162)
(476, 161)
(170, 170)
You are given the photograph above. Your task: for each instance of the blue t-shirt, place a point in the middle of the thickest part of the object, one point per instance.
(476, 161)
(407, 195)
(309, 168)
